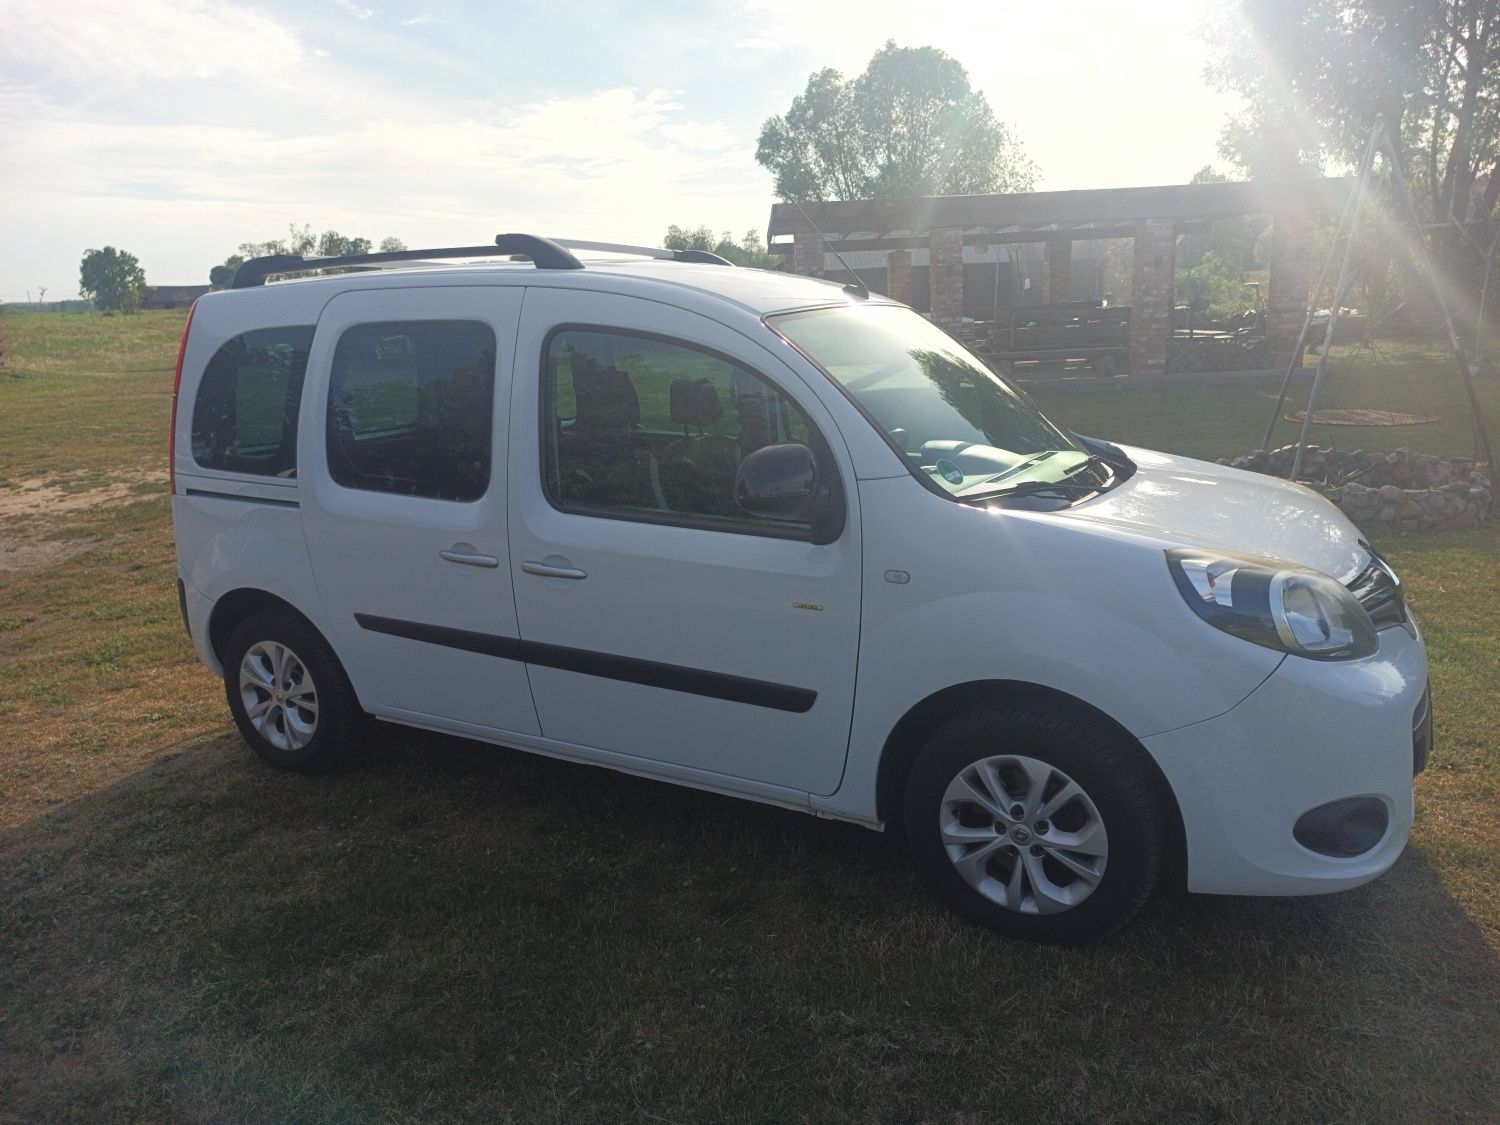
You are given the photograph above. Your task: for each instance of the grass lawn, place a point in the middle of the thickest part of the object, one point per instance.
(459, 932)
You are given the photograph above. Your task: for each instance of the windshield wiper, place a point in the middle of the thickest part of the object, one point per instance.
(1066, 486)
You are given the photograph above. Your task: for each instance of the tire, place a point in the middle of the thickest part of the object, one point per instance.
(308, 718)
(1028, 754)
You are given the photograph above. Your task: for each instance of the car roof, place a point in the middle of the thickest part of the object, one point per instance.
(756, 291)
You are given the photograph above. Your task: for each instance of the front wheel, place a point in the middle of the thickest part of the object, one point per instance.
(290, 697)
(1035, 822)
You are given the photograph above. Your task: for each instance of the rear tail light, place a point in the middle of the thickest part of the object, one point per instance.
(176, 387)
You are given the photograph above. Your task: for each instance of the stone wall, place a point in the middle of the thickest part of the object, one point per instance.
(1151, 296)
(1400, 491)
(1218, 353)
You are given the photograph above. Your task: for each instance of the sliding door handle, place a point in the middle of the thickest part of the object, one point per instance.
(546, 570)
(469, 557)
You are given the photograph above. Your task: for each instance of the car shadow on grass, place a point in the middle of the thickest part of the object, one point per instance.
(456, 931)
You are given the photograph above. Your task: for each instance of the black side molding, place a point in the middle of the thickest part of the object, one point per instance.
(207, 494)
(627, 669)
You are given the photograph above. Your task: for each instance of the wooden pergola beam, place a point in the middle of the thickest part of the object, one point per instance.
(918, 242)
(1108, 207)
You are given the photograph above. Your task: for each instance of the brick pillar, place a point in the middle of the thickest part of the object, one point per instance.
(1151, 296)
(898, 276)
(945, 274)
(1059, 272)
(807, 253)
(1291, 275)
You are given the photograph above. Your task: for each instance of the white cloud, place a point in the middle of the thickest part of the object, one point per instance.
(100, 43)
(618, 164)
(355, 10)
(419, 21)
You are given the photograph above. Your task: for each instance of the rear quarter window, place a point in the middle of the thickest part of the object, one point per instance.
(245, 412)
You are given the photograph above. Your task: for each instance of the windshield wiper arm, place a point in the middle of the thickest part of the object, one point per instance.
(1067, 485)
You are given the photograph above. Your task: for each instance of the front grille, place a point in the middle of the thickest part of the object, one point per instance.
(1379, 591)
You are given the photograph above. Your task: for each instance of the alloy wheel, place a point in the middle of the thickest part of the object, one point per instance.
(1023, 834)
(278, 694)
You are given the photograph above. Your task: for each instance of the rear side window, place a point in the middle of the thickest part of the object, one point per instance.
(245, 415)
(409, 408)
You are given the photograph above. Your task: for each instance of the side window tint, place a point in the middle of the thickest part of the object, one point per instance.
(645, 427)
(245, 415)
(409, 408)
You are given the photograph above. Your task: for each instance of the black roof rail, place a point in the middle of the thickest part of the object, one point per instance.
(702, 256)
(545, 254)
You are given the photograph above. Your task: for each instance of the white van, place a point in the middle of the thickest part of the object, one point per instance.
(776, 538)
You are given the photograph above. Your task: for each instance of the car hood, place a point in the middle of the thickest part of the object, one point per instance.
(1180, 502)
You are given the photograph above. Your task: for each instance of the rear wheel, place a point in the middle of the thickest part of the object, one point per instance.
(1034, 822)
(290, 697)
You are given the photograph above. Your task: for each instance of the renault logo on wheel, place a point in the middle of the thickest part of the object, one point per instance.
(1020, 834)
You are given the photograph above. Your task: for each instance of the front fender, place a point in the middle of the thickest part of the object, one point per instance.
(1013, 596)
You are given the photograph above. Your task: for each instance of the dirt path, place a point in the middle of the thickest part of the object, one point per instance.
(29, 509)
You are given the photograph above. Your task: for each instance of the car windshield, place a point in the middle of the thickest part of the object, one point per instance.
(959, 425)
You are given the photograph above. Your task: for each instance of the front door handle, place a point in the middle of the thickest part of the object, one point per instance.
(469, 557)
(546, 570)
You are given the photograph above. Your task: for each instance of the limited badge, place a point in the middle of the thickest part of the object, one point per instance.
(950, 472)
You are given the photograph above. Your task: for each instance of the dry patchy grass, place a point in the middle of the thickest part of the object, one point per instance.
(459, 932)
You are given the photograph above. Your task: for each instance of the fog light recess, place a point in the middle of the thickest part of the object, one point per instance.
(1343, 829)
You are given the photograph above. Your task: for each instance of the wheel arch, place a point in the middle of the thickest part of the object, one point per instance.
(241, 604)
(911, 731)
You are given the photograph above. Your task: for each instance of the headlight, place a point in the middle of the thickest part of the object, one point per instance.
(1275, 604)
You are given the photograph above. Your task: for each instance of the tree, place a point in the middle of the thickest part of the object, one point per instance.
(749, 251)
(391, 245)
(299, 240)
(220, 276)
(1316, 73)
(1211, 280)
(909, 126)
(112, 279)
(1233, 239)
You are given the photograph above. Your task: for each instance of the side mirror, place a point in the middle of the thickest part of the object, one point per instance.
(779, 482)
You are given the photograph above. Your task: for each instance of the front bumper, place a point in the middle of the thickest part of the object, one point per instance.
(1313, 733)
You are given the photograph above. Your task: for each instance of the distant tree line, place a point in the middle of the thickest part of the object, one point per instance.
(748, 251)
(299, 240)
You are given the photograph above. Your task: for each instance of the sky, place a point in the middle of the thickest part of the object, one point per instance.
(177, 130)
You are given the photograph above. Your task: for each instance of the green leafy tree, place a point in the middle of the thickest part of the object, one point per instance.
(220, 276)
(302, 240)
(1315, 74)
(391, 244)
(1236, 239)
(299, 240)
(909, 126)
(1213, 281)
(749, 251)
(332, 244)
(112, 279)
